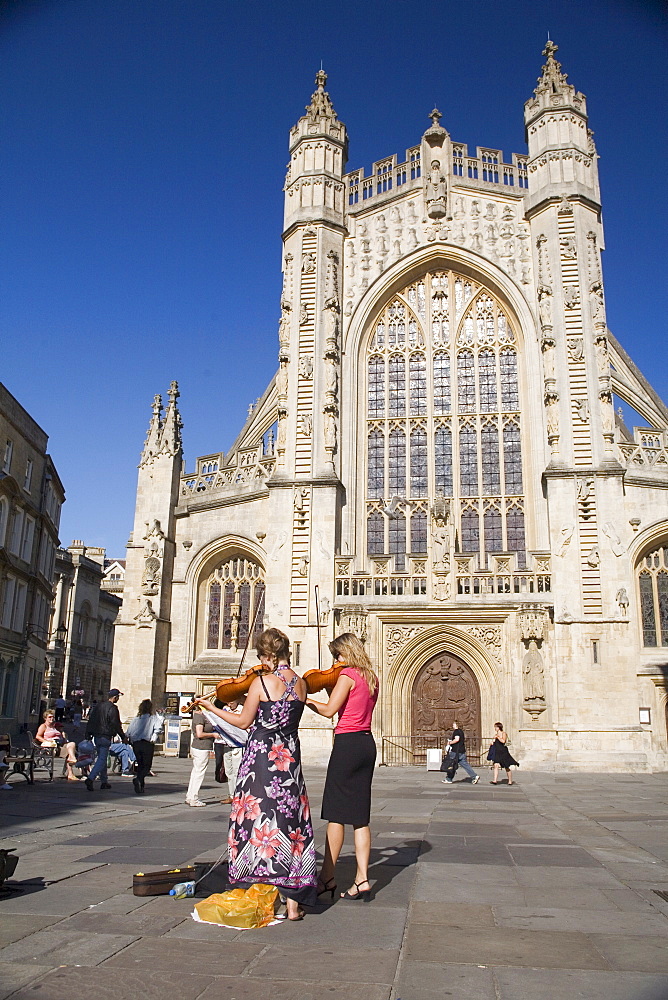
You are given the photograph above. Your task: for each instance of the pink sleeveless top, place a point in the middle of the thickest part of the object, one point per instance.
(357, 709)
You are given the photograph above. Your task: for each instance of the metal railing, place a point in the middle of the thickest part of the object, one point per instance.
(404, 751)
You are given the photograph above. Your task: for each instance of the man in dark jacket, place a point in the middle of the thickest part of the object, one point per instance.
(103, 725)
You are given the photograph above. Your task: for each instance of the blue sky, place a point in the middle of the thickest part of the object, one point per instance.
(143, 146)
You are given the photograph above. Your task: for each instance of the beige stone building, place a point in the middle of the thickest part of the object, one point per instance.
(438, 453)
(31, 497)
(85, 612)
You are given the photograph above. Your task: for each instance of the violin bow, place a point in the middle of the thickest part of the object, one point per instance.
(251, 630)
(317, 621)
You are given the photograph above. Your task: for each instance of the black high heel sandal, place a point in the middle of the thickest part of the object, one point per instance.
(328, 887)
(364, 896)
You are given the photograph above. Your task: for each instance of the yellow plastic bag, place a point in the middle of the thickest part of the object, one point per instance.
(243, 908)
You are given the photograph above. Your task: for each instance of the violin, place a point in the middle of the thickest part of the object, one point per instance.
(232, 688)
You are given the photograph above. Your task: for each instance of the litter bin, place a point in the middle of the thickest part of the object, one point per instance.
(434, 758)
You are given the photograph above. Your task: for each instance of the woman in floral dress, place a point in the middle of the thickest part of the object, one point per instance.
(270, 838)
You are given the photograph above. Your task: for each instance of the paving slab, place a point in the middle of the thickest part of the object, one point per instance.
(182, 954)
(15, 975)
(536, 984)
(55, 947)
(637, 954)
(111, 984)
(586, 921)
(506, 946)
(429, 981)
(15, 926)
(326, 964)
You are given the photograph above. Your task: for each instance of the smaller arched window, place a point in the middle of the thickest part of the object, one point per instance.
(653, 586)
(234, 597)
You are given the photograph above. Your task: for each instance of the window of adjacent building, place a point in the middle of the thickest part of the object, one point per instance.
(7, 460)
(19, 612)
(234, 598)
(27, 538)
(16, 533)
(8, 593)
(443, 419)
(27, 479)
(4, 516)
(653, 593)
(8, 681)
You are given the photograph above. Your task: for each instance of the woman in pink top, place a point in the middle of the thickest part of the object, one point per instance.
(347, 795)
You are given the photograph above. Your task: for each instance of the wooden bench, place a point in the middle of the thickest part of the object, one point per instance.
(18, 753)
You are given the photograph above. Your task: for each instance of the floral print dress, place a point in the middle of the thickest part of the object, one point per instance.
(270, 838)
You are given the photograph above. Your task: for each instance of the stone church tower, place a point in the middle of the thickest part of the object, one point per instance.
(438, 454)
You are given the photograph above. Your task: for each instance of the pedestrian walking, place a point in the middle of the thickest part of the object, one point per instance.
(500, 755)
(143, 731)
(456, 756)
(103, 725)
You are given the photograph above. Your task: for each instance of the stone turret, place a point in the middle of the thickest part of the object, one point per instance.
(142, 631)
(308, 380)
(562, 157)
(314, 190)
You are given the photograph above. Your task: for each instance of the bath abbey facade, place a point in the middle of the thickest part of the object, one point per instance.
(437, 465)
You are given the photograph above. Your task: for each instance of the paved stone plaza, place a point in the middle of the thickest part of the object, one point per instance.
(540, 890)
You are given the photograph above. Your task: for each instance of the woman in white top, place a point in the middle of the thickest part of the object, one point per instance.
(143, 732)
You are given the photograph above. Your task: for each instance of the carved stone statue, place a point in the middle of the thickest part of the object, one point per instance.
(306, 366)
(440, 543)
(308, 263)
(545, 306)
(330, 432)
(533, 674)
(435, 192)
(622, 599)
(596, 302)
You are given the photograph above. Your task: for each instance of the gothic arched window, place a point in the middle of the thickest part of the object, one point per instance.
(234, 597)
(653, 587)
(443, 405)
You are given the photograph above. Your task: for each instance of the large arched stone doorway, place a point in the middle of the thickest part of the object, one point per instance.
(446, 689)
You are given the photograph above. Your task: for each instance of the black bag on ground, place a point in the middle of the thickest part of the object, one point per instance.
(450, 764)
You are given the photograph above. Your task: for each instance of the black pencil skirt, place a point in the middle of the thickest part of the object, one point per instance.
(347, 795)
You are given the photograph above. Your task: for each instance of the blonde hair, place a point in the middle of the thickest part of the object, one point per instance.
(274, 644)
(351, 649)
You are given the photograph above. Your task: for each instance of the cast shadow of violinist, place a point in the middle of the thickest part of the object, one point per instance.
(385, 864)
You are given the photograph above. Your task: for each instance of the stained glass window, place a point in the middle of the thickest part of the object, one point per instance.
(376, 466)
(487, 381)
(468, 461)
(375, 534)
(445, 347)
(418, 385)
(214, 615)
(419, 532)
(653, 585)
(441, 383)
(512, 459)
(397, 464)
(465, 382)
(647, 612)
(376, 387)
(443, 461)
(397, 540)
(470, 541)
(493, 531)
(510, 393)
(397, 386)
(234, 587)
(489, 450)
(419, 463)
